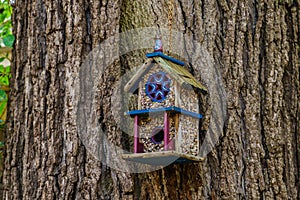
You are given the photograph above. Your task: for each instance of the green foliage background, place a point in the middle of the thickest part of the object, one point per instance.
(6, 43)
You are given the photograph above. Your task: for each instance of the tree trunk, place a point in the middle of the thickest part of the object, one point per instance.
(255, 43)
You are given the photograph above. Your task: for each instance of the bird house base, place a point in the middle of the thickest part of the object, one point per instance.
(161, 158)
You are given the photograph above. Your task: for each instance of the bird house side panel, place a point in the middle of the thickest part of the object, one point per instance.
(189, 99)
(189, 135)
(146, 101)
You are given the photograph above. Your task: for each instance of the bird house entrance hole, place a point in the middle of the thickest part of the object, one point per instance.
(157, 135)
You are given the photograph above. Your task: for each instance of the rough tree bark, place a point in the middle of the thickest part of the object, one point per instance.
(256, 43)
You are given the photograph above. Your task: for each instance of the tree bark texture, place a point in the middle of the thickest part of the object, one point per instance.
(256, 43)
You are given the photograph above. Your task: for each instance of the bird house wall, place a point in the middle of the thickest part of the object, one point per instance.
(146, 127)
(145, 101)
(188, 135)
(188, 99)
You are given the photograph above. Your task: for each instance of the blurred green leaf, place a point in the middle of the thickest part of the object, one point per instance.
(7, 69)
(9, 40)
(4, 75)
(4, 80)
(2, 17)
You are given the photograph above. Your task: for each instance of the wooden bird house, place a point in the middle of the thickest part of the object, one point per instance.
(166, 123)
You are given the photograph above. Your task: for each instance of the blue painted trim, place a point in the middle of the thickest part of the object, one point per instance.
(172, 108)
(160, 54)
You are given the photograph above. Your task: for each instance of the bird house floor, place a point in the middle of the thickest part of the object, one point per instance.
(162, 158)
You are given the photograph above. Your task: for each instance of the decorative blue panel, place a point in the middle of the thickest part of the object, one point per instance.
(170, 109)
(157, 87)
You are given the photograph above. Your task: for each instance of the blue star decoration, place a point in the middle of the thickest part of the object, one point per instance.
(157, 87)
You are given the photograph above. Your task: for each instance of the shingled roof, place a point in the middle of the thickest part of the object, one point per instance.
(170, 65)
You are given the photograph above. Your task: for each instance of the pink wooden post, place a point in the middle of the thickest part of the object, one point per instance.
(136, 134)
(166, 131)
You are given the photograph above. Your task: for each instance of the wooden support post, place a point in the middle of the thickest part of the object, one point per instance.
(166, 131)
(136, 134)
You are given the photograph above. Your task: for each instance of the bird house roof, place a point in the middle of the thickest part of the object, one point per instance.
(170, 65)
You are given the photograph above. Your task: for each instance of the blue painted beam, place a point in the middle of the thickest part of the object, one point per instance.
(160, 54)
(171, 109)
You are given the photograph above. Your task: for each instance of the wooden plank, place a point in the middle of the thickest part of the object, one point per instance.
(140, 95)
(139, 74)
(176, 122)
(161, 158)
(177, 94)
